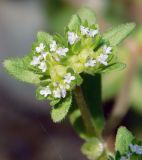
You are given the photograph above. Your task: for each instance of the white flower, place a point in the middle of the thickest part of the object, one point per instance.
(68, 78)
(102, 59)
(43, 66)
(62, 51)
(44, 55)
(136, 149)
(40, 48)
(57, 93)
(45, 91)
(36, 61)
(63, 91)
(53, 46)
(72, 37)
(60, 92)
(92, 32)
(107, 49)
(84, 30)
(90, 63)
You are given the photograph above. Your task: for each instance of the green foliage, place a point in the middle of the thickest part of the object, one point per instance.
(115, 66)
(92, 85)
(93, 149)
(44, 37)
(18, 68)
(123, 139)
(60, 110)
(57, 64)
(127, 146)
(74, 22)
(87, 14)
(118, 34)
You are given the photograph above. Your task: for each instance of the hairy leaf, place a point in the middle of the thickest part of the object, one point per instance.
(17, 67)
(44, 37)
(115, 66)
(61, 109)
(123, 139)
(74, 23)
(87, 14)
(117, 34)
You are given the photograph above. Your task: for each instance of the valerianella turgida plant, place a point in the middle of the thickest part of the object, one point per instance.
(67, 72)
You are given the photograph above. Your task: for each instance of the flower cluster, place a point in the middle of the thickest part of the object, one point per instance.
(62, 62)
(39, 61)
(136, 149)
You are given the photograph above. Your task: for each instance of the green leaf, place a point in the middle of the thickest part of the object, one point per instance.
(44, 37)
(84, 14)
(61, 109)
(93, 149)
(60, 39)
(92, 92)
(117, 34)
(18, 68)
(74, 22)
(54, 102)
(87, 14)
(115, 66)
(123, 139)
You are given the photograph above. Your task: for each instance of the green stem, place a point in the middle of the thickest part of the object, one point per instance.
(87, 119)
(86, 116)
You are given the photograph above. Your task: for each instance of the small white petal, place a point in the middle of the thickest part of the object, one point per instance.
(93, 32)
(72, 37)
(57, 93)
(63, 91)
(62, 51)
(90, 63)
(84, 30)
(35, 61)
(53, 46)
(102, 59)
(38, 49)
(42, 46)
(44, 55)
(43, 66)
(65, 50)
(107, 49)
(68, 78)
(45, 91)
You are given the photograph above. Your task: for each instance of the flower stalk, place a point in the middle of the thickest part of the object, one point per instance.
(86, 116)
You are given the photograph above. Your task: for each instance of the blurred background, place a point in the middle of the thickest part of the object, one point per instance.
(26, 130)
